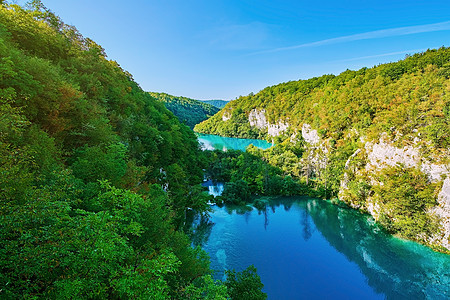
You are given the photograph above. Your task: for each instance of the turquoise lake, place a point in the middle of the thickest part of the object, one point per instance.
(305, 248)
(211, 142)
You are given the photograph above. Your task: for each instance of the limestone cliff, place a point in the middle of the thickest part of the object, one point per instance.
(257, 118)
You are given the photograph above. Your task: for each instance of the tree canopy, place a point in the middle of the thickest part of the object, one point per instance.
(188, 111)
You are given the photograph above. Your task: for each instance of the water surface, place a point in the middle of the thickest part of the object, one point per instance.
(211, 142)
(306, 248)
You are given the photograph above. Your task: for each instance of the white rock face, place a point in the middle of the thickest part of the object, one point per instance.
(373, 208)
(226, 116)
(257, 118)
(443, 211)
(310, 135)
(347, 163)
(384, 154)
(434, 171)
(277, 129)
(294, 137)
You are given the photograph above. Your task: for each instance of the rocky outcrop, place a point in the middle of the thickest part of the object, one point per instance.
(277, 129)
(382, 154)
(385, 154)
(316, 158)
(310, 135)
(257, 118)
(443, 212)
(226, 116)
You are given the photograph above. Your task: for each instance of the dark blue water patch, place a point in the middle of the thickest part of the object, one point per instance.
(310, 249)
(212, 142)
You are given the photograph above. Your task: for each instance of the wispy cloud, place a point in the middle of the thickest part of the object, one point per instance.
(383, 55)
(367, 36)
(238, 36)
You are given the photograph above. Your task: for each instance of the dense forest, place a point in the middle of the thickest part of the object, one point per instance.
(188, 111)
(378, 138)
(96, 175)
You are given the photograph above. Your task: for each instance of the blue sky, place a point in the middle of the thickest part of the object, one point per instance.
(221, 49)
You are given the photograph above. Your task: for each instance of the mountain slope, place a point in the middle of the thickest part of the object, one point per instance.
(96, 175)
(216, 103)
(363, 131)
(188, 111)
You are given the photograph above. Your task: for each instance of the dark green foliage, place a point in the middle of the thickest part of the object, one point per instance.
(94, 163)
(245, 285)
(236, 192)
(188, 111)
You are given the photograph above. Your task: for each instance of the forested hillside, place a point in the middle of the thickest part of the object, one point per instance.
(377, 137)
(96, 175)
(188, 111)
(216, 103)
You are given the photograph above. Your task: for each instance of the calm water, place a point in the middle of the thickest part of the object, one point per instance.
(211, 142)
(310, 249)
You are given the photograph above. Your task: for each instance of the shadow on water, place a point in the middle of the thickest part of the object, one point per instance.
(198, 228)
(397, 268)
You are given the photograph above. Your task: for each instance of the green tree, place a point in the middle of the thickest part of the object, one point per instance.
(245, 285)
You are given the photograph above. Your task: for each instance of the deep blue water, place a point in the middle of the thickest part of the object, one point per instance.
(306, 248)
(210, 142)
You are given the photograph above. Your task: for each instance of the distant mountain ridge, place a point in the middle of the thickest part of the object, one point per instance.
(216, 103)
(187, 110)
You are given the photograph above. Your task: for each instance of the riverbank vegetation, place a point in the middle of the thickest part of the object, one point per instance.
(276, 171)
(96, 175)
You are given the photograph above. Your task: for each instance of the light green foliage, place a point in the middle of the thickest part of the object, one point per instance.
(236, 126)
(396, 98)
(206, 288)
